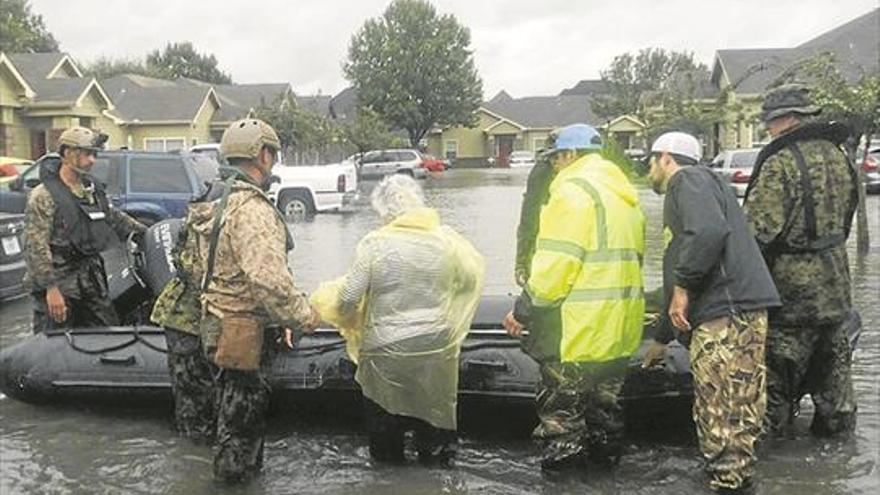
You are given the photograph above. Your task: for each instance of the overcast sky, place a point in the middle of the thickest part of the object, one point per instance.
(526, 47)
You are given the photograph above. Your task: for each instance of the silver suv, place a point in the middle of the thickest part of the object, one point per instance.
(379, 163)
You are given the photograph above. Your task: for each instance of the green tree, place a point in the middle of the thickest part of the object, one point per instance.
(105, 67)
(182, 60)
(367, 132)
(299, 130)
(22, 31)
(415, 68)
(853, 101)
(630, 78)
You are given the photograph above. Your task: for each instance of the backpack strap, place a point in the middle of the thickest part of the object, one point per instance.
(215, 234)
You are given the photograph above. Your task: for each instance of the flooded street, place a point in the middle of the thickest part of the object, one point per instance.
(62, 450)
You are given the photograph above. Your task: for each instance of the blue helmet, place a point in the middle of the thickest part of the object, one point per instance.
(578, 137)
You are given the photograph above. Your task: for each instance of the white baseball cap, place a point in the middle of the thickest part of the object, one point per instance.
(678, 143)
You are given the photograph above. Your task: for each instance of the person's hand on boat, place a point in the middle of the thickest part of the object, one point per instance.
(678, 310)
(314, 321)
(56, 304)
(288, 338)
(653, 354)
(513, 327)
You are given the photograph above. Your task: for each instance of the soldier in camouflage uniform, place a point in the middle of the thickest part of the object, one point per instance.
(68, 223)
(717, 292)
(250, 280)
(179, 311)
(800, 203)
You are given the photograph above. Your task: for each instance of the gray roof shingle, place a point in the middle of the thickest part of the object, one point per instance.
(34, 67)
(148, 99)
(544, 112)
(236, 100)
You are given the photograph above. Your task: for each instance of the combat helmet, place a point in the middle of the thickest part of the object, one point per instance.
(246, 137)
(82, 138)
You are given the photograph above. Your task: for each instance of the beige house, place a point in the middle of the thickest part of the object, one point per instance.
(506, 124)
(41, 94)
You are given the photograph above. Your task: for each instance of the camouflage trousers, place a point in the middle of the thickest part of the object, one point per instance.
(81, 313)
(727, 363)
(579, 413)
(192, 385)
(814, 360)
(241, 403)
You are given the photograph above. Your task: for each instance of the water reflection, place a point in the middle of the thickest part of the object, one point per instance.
(54, 450)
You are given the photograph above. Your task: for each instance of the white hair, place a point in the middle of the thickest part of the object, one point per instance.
(396, 195)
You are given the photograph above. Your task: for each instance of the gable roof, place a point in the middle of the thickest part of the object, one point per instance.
(855, 45)
(343, 106)
(35, 67)
(543, 112)
(19, 77)
(237, 100)
(586, 87)
(136, 98)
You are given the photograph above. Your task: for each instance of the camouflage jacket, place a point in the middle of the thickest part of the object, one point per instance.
(48, 254)
(814, 285)
(250, 276)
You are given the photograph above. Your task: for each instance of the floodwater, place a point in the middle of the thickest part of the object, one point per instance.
(63, 450)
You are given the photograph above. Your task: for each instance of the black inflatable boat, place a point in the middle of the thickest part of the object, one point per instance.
(127, 365)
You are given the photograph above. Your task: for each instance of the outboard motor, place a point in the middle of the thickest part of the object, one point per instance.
(125, 287)
(158, 264)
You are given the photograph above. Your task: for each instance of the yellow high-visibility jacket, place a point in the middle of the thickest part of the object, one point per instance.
(587, 265)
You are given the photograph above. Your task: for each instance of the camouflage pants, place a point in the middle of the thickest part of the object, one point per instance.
(192, 385)
(579, 412)
(814, 360)
(727, 363)
(241, 402)
(81, 313)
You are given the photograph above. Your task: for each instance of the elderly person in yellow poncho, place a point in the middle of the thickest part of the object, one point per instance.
(405, 307)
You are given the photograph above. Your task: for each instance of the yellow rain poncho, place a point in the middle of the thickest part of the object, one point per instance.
(404, 309)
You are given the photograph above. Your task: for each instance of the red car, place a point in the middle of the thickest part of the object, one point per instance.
(432, 164)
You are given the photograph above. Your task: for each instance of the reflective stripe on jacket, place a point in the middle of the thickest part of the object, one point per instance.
(587, 262)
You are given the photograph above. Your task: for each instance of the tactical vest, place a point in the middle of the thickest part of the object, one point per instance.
(835, 132)
(80, 226)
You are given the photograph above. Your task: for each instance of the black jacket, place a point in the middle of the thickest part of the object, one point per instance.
(712, 253)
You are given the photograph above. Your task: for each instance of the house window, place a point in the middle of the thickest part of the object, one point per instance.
(451, 149)
(164, 144)
(538, 144)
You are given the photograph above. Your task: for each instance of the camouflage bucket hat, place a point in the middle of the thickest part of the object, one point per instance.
(787, 99)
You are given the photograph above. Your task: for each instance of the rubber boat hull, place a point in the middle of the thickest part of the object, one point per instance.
(127, 366)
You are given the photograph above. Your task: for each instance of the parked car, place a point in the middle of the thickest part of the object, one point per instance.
(12, 265)
(210, 149)
(434, 164)
(149, 186)
(303, 191)
(379, 163)
(736, 166)
(870, 163)
(10, 168)
(521, 159)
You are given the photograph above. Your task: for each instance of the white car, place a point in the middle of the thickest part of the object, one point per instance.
(736, 166)
(303, 191)
(521, 159)
(379, 163)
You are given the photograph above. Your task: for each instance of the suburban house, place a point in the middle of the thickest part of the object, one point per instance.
(41, 94)
(747, 73)
(506, 124)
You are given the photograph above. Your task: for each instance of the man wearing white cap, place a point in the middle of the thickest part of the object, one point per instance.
(717, 289)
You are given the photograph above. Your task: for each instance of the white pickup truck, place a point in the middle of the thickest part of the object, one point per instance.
(305, 190)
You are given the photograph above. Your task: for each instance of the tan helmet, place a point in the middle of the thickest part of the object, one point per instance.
(82, 138)
(246, 137)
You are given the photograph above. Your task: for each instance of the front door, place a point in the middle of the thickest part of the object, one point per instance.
(503, 148)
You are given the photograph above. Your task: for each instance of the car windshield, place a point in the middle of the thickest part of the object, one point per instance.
(522, 154)
(744, 159)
